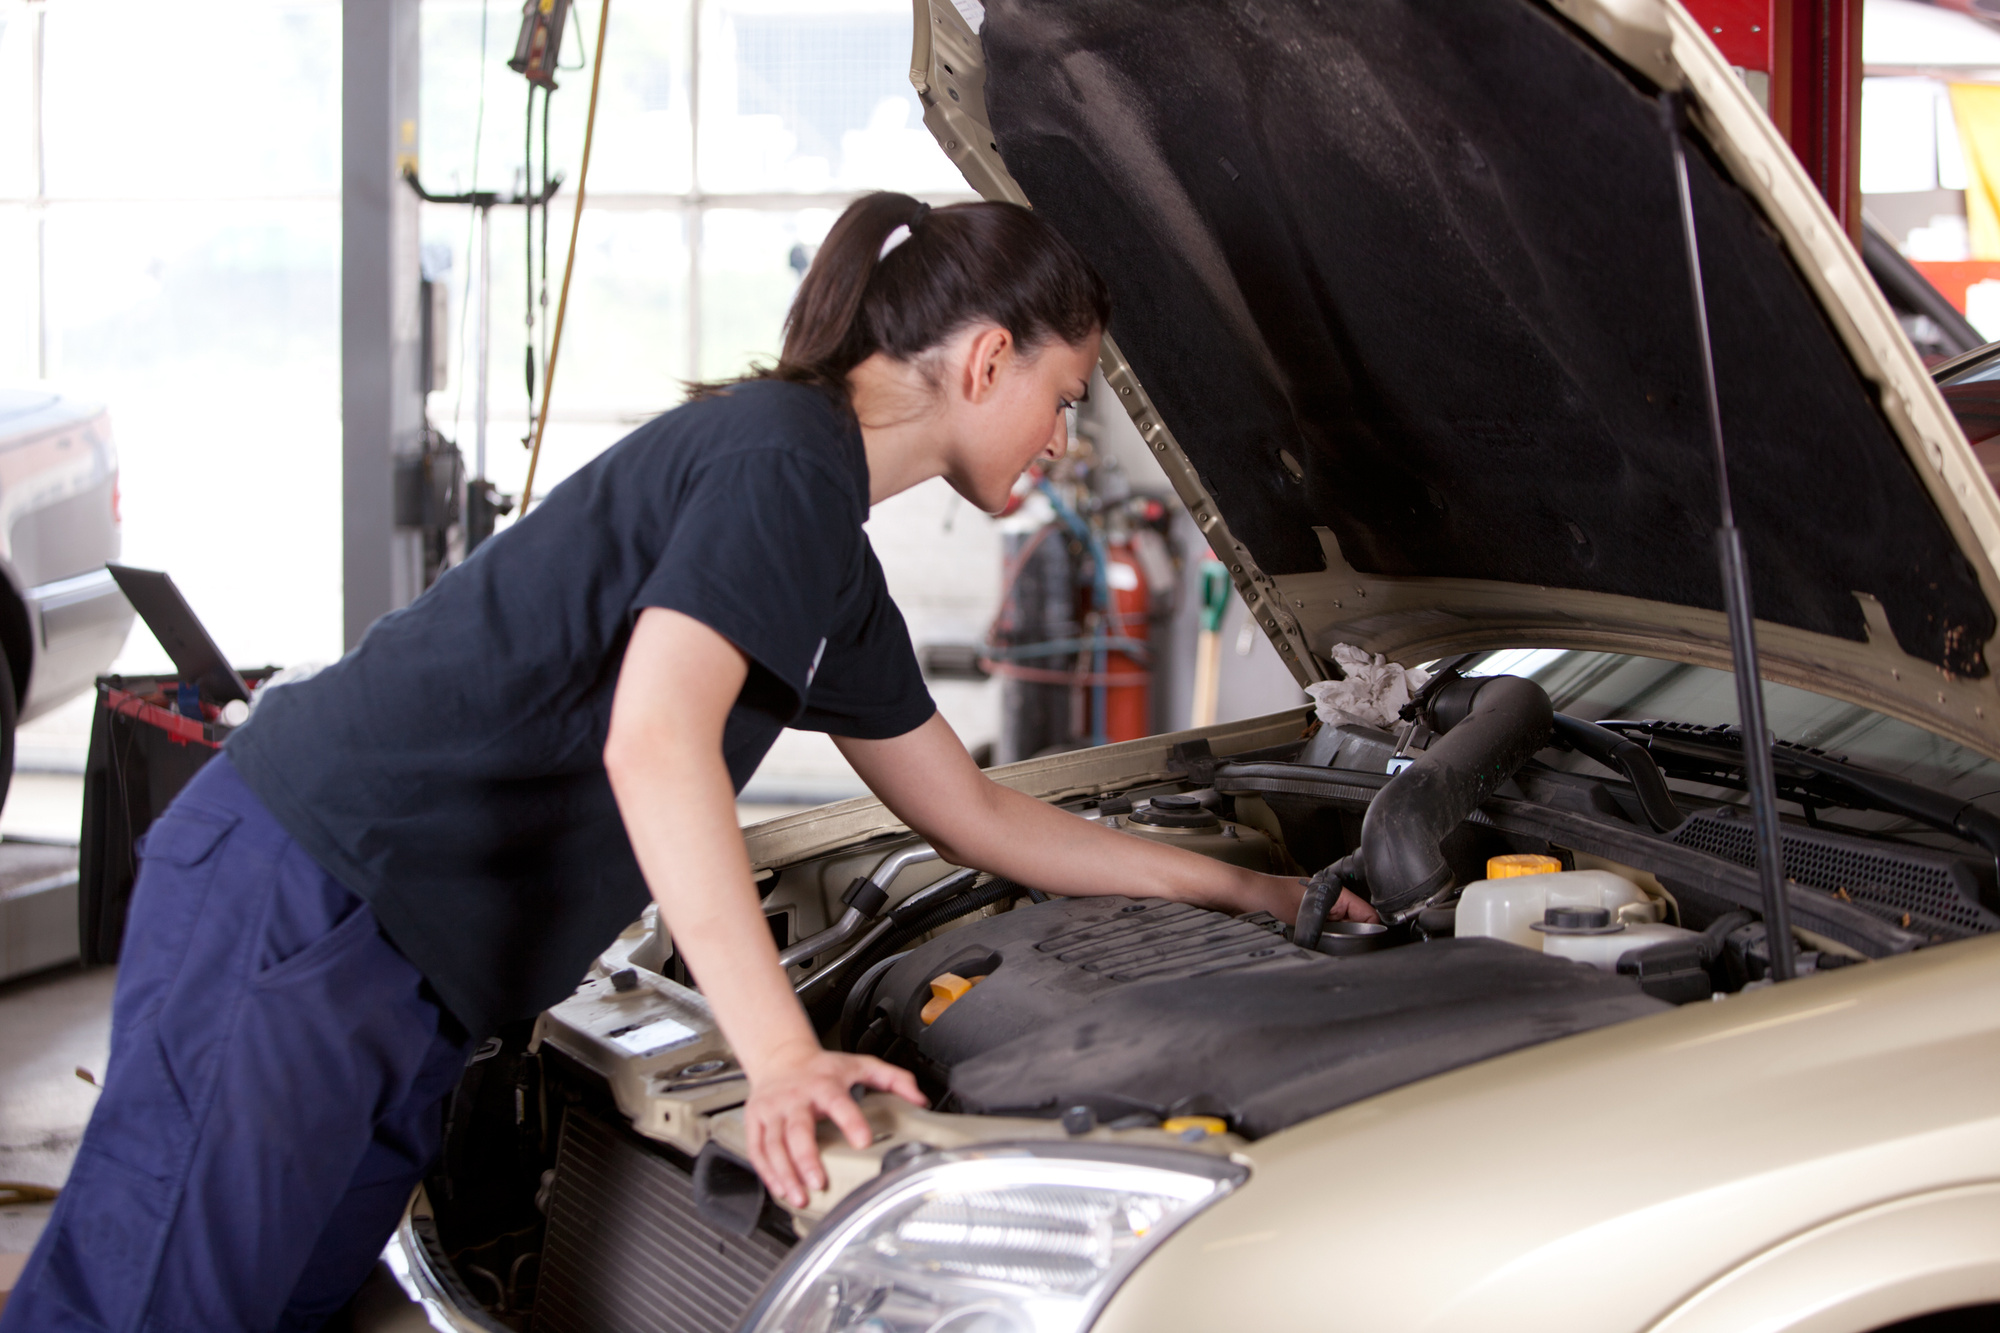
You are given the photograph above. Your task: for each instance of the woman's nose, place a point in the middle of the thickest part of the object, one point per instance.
(1058, 444)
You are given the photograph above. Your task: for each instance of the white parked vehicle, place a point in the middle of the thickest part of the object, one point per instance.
(62, 619)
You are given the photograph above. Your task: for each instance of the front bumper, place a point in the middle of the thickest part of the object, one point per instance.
(79, 624)
(416, 1258)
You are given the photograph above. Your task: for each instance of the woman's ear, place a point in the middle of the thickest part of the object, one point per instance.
(987, 356)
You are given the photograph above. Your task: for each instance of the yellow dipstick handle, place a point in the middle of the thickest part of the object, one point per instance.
(947, 989)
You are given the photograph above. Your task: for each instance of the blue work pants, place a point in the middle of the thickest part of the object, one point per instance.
(274, 1092)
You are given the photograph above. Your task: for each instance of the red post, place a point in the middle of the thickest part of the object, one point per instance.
(1811, 52)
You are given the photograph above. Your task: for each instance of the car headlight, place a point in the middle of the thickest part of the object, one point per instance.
(1027, 1238)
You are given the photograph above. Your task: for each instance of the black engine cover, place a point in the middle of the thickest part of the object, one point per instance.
(1167, 1009)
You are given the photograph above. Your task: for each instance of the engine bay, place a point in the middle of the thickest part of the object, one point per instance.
(1137, 1013)
(1522, 901)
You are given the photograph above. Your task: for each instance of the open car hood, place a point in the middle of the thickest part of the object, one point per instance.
(1402, 307)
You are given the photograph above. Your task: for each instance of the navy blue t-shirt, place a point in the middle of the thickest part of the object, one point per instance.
(450, 769)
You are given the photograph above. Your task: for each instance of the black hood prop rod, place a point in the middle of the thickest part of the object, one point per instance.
(1736, 591)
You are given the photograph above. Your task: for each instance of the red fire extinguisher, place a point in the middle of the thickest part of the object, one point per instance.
(1128, 690)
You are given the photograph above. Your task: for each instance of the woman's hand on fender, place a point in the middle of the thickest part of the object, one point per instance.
(791, 1094)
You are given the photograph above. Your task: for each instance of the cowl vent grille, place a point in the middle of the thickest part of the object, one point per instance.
(1938, 890)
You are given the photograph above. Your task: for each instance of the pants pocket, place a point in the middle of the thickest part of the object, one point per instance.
(353, 929)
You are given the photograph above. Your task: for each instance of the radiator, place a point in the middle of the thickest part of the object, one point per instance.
(625, 1250)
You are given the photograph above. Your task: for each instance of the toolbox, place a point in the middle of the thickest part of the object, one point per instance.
(149, 735)
(142, 752)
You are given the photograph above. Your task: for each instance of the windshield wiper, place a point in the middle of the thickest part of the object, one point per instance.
(1812, 777)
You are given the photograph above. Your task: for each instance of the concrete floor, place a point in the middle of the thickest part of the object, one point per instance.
(59, 1021)
(51, 1025)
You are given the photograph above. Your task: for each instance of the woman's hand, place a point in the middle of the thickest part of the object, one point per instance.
(789, 1096)
(1280, 894)
(1347, 907)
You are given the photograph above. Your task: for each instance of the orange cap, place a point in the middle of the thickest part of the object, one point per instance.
(947, 988)
(1521, 863)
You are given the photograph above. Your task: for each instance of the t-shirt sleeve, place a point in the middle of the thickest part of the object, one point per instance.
(760, 548)
(868, 685)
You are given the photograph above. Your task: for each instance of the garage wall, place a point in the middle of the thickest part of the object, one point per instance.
(171, 254)
(173, 250)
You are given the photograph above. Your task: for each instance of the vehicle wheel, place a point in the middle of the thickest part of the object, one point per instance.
(10, 708)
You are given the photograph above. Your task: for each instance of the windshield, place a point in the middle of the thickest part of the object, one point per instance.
(1596, 686)
(1972, 392)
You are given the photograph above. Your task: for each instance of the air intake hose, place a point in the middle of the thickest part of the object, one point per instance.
(1487, 728)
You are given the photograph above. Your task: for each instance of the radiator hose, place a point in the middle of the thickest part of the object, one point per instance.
(1486, 727)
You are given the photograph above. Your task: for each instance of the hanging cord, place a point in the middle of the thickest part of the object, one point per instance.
(542, 291)
(472, 225)
(569, 264)
(528, 244)
(1095, 674)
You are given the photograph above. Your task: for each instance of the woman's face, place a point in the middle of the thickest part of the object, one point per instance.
(1014, 411)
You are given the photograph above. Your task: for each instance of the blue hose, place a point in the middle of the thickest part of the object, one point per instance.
(1101, 594)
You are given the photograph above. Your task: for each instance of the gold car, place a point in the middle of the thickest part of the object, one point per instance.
(1404, 311)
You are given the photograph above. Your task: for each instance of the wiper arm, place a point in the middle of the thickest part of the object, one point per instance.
(1713, 753)
(1629, 757)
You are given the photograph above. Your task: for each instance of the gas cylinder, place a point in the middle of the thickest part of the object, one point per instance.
(1128, 694)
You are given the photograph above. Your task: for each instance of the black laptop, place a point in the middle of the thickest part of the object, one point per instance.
(174, 623)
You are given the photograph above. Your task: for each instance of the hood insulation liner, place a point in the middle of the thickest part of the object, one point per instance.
(1431, 249)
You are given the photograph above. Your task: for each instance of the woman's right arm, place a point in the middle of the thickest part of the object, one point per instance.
(676, 686)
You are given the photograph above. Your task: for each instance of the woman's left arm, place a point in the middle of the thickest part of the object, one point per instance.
(929, 781)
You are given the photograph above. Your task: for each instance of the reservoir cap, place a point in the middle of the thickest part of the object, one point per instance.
(1578, 921)
(1176, 811)
(1521, 863)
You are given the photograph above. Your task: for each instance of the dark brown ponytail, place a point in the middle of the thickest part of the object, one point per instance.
(961, 264)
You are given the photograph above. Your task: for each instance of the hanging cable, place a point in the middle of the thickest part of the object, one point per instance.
(472, 224)
(528, 245)
(569, 264)
(542, 288)
(1102, 606)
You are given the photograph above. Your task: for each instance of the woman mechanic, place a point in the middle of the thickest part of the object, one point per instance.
(436, 835)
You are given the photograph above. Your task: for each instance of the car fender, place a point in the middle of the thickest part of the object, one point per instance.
(1609, 1180)
(1937, 1250)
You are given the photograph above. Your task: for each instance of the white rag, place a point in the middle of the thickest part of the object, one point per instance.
(291, 675)
(1373, 693)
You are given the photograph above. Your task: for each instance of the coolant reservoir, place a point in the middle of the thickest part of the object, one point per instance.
(1509, 909)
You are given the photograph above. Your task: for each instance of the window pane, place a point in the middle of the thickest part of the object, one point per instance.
(211, 330)
(805, 96)
(17, 117)
(239, 97)
(644, 136)
(750, 266)
(17, 295)
(643, 143)
(454, 80)
(624, 349)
